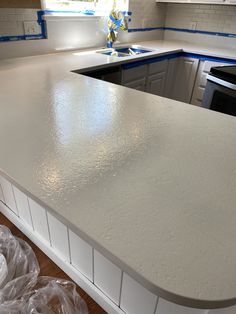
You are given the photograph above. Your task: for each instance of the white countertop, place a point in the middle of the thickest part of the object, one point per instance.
(147, 180)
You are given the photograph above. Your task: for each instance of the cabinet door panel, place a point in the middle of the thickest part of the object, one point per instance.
(171, 77)
(137, 84)
(185, 79)
(138, 72)
(156, 84)
(156, 79)
(158, 67)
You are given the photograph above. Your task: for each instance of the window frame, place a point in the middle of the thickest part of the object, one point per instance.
(70, 14)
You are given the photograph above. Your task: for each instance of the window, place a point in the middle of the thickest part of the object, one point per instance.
(88, 7)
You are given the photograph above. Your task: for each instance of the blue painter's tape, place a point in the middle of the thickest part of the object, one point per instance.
(208, 58)
(176, 55)
(150, 60)
(133, 30)
(20, 37)
(195, 31)
(83, 12)
(42, 23)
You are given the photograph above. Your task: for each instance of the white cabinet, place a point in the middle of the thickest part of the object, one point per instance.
(156, 79)
(185, 75)
(201, 80)
(139, 84)
(150, 78)
(135, 77)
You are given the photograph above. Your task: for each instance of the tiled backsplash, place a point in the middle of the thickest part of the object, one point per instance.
(147, 14)
(212, 18)
(12, 21)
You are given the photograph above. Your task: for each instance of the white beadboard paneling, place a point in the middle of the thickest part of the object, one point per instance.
(39, 218)
(59, 237)
(107, 277)
(135, 299)
(22, 206)
(8, 194)
(1, 192)
(165, 307)
(81, 255)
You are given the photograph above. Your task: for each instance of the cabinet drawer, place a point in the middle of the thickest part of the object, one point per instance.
(135, 73)
(157, 67)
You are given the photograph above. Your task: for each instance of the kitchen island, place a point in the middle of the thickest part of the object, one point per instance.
(144, 184)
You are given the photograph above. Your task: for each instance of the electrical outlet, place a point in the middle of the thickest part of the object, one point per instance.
(193, 25)
(31, 28)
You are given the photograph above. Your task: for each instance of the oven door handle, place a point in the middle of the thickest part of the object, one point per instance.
(221, 82)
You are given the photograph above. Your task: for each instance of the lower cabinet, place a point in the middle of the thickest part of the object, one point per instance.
(185, 75)
(139, 84)
(135, 77)
(201, 80)
(172, 78)
(156, 79)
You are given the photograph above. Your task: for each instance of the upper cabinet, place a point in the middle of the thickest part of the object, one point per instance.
(226, 2)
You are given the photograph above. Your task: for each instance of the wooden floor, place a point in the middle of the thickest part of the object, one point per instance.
(48, 268)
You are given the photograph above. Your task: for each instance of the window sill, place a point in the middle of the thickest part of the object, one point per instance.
(70, 16)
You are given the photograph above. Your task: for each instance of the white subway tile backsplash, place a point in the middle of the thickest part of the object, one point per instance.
(59, 237)
(11, 21)
(107, 277)
(81, 255)
(23, 206)
(39, 218)
(213, 18)
(135, 299)
(165, 307)
(8, 195)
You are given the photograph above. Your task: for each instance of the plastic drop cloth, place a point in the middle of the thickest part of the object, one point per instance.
(49, 296)
(18, 266)
(23, 292)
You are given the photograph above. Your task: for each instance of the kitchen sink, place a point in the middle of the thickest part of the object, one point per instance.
(124, 51)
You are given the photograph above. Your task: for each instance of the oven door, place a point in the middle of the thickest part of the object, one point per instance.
(220, 96)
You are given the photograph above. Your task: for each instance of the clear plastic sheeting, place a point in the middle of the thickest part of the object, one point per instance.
(52, 295)
(23, 292)
(18, 264)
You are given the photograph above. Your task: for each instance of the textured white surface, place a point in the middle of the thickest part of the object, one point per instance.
(165, 307)
(146, 180)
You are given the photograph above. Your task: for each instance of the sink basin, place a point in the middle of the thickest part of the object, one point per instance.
(124, 51)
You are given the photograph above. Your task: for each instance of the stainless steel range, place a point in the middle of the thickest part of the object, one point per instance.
(220, 92)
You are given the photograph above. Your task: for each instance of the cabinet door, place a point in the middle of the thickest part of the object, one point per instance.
(201, 80)
(139, 84)
(156, 84)
(171, 78)
(185, 78)
(133, 73)
(156, 78)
